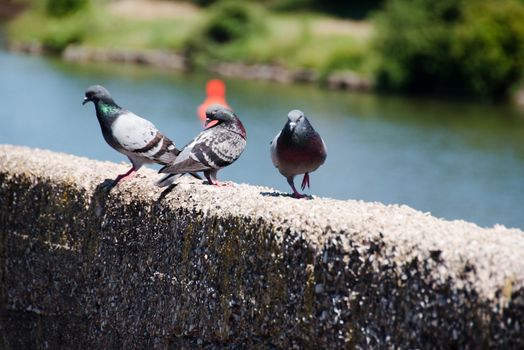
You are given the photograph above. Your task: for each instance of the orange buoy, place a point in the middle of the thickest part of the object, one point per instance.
(216, 94)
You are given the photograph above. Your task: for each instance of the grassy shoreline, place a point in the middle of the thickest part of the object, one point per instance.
(306, 47)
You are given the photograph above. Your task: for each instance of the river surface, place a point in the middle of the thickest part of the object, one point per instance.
(456, 160)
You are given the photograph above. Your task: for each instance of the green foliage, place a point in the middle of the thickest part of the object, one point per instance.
(356, 9)
(225, 32)
(59, 8)
(291, 5)
(230, 31)
(59, 34)
(202, 2)
(130, 34)
(54, 33)
(230, 21)
(473, 47)
(240, 32)
(348, 58)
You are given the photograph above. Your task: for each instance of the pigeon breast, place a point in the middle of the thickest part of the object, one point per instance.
(294, 156)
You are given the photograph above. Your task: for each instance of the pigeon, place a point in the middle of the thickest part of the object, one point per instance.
(220, 144)
(297, 149)
(129, 134)
(216, 94)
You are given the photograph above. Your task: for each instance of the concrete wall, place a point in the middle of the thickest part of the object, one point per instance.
(85, 266)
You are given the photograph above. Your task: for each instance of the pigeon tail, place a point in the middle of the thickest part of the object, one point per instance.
(168, 157)
(167, 180)
(170, 178)
(305, 181)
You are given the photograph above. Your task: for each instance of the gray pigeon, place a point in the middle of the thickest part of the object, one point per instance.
(220, 144)
(130, 134)
(297, 149)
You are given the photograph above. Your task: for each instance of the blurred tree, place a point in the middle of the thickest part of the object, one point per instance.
(356, 9)
(229, 22)
(59, 8)
(473, 47)
(203, 2)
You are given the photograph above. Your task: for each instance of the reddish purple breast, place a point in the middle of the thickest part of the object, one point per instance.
(311, 151)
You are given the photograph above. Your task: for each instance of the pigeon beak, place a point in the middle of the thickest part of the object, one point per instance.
(292, 125)
(210, 123)
(86, 100)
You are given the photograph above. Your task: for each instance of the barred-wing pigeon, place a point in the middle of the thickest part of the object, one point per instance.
(129, 134)
(217, 146)
(297, 149)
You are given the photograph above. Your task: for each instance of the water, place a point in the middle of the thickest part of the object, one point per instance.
(456, 160)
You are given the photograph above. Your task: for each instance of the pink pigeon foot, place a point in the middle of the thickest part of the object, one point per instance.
(296, 194)
(131, 173)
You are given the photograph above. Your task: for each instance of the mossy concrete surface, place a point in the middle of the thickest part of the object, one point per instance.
(87, 266)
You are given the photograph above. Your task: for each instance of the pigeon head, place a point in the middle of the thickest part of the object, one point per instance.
(217, 114)
(296, 122)
(97, 93)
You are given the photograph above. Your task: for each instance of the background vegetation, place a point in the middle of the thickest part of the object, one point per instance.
(465, 47)
(451, 47)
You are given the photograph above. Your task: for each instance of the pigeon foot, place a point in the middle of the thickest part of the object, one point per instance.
(126, 176)
(298, 195)
(223, 184)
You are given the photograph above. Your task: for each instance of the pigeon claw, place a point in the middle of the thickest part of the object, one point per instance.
(298, 195)
(222, 184)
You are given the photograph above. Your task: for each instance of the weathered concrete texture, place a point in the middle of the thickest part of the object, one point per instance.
(203, 267)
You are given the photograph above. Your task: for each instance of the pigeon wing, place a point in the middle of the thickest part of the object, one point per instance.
(225, 149)
(139, 137)
(186, 160)
(211, 149)
(273, 150)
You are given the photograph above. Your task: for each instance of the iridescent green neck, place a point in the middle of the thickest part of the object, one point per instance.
(106, 110)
